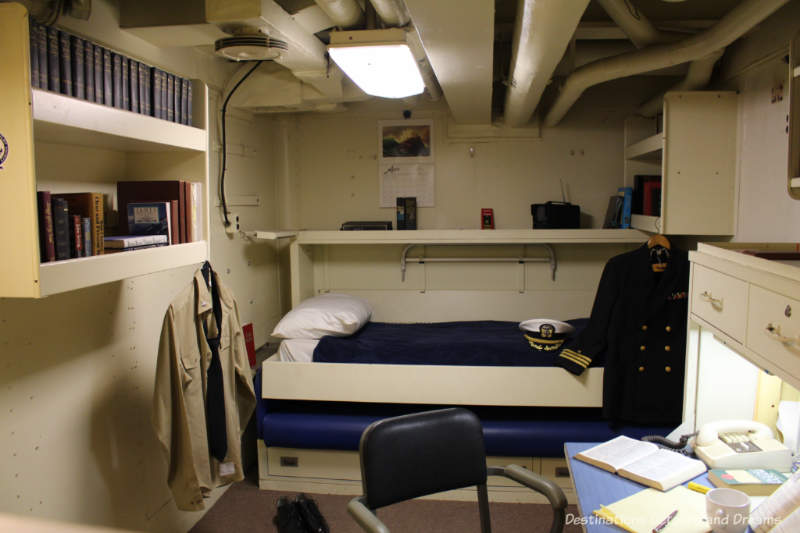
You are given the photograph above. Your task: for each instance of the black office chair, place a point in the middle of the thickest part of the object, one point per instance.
(424, 453)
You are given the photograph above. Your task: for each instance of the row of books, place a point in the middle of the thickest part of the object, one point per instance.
(73, 66)
(151, 213)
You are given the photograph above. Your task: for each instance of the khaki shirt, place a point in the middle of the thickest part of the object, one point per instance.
(180, 390)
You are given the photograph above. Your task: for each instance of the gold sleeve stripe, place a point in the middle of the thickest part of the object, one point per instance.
(577, 355)
(570, 357)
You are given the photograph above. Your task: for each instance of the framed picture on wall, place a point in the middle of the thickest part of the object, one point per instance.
(406, 161)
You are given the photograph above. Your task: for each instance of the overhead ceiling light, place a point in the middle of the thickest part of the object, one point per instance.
(378, 61)
(248, 44)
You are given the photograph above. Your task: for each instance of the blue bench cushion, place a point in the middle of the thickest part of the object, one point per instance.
(508, 431)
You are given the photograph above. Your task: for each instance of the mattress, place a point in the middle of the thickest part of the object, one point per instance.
(469, 343)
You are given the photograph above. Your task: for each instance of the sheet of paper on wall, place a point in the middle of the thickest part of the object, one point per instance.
(406, 179)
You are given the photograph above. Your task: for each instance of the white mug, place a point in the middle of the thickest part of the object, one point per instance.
(728, 510)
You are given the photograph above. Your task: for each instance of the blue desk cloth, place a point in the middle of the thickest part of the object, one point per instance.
(595, 487)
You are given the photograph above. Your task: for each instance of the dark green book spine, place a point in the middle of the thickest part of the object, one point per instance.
(61, 229)
(99, 90)
(185, 101)
(155, 75)
(41, 37)
(88, 65)
(126, 95)
(170, 97)
(78, 71)
(34, 55)
(189, 104)
(116, 71)
(53, 61)
(65, 52)
(108, 86)
(134, 85)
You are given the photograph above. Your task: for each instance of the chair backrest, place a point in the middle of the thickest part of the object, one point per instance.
(422, 453)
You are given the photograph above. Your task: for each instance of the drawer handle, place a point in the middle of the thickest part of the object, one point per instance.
(774, 332)
(716, 303)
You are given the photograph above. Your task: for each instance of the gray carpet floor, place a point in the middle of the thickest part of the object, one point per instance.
(245, 508)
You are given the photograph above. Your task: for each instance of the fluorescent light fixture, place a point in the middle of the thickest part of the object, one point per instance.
(378, 61)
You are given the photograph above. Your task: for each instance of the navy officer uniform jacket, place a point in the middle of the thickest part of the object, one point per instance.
(638, 324)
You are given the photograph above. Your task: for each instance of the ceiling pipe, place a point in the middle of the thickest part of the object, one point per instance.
(698, 76)
(542, 31)
(729, 28)
(632, 22)
(425, 69)
(343, 13)
(392, 12)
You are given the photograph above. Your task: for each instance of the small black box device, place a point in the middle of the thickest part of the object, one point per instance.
(556, 215)
(361, 225)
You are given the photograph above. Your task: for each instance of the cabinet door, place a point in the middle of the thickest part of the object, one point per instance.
(19, 233)
(699, 163)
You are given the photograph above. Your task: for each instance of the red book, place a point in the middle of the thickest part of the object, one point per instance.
(651, 198)
(175, 232)
(487, 218)
(250, 343)
(77, 236)
(47, 243)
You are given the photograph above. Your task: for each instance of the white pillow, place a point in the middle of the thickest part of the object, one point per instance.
(297, 350)
(327, 314)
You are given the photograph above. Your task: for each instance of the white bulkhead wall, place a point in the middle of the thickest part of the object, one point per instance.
(77, 369)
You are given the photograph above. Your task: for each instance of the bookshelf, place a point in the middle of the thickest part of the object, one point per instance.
(693, 148)
(63, 144)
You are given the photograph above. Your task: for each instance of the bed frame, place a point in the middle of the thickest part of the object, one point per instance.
(402, 289)
(432, 384)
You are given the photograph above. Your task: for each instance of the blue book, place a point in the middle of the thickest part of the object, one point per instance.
(65, 53)
(86, 225)
(627, 199)
(149, 218)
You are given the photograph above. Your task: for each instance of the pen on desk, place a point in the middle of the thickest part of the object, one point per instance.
(664, 522)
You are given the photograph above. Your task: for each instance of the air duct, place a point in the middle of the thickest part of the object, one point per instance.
(391, 12)
(697, 76)
(343, 13)
(542, 32)
(632, 22)
(729, 28)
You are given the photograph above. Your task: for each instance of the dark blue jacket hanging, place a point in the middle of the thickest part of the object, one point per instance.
(638, 322)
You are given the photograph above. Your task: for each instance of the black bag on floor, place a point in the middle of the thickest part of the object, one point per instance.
(300, 515)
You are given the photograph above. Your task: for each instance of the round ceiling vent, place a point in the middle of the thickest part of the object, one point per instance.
(250, 47)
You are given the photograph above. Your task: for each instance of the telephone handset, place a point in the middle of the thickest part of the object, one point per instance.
(741, 444)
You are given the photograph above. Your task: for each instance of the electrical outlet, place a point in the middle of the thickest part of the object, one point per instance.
(233, 226)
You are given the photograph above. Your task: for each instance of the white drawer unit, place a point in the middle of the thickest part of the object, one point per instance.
(773, 327)
(720, 300)
(749, 293)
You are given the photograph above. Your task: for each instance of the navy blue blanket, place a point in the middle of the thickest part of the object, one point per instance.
(477, 343)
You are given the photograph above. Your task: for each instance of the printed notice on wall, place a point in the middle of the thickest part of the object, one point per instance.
(406, 164)
(404, 179)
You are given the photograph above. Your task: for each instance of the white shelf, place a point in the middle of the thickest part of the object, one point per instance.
(261, 235)
(71, 274)
(57, 117)
(646, 149)
(794, 183)
(474, 236)
(796, 72)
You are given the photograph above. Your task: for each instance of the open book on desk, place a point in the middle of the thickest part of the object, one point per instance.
(643, 462)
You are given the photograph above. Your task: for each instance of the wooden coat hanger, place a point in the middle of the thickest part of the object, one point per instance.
(658, 257)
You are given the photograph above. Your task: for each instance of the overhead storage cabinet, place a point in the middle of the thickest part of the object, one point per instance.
(693, 148)
(63, 144)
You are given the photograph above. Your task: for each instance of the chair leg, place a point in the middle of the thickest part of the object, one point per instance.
(483, 506)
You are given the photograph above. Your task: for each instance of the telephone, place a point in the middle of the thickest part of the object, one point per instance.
(741, 444)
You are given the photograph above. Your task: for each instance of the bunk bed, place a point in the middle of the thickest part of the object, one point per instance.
(526, 410)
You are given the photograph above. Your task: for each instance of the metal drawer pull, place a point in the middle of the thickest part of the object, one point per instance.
(775, 333)
(716, 303)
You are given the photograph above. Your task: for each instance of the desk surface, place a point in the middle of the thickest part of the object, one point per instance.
(595, 487)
